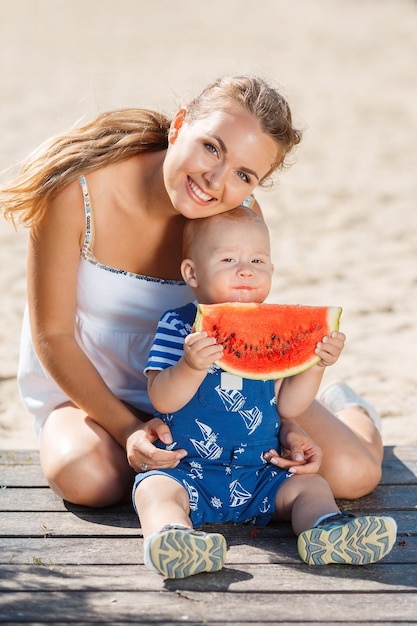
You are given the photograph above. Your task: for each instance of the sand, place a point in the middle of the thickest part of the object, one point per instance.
(343, 218)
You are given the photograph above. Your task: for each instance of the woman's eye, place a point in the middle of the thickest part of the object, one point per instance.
(211, 148)
(243, 176)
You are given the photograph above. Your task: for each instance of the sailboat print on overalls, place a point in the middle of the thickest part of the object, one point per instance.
(234, 401)
(238, 494)
(207, 447)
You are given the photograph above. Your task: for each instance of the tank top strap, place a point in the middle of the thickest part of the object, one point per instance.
(87, 249)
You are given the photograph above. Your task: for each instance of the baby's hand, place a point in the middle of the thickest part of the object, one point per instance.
(329, 348)
(200, 351)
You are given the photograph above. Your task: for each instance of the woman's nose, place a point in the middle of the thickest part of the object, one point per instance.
(215, 177)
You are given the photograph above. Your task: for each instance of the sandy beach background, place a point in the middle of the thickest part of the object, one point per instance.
(343, 219)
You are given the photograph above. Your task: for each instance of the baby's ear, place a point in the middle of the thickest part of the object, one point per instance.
(188, 273)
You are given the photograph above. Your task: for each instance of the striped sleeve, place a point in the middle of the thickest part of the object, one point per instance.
(168, 344)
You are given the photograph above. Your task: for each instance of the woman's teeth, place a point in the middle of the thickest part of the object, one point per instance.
(200, 194)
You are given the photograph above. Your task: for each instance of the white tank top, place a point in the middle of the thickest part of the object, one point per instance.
(116, 318)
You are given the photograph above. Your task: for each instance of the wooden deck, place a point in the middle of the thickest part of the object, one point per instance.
(63, 564)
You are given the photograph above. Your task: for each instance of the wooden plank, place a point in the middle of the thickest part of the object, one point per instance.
(399, 465)
(403, 453)
(22, 476)
(21, 468)
(207, 607)
(264, 577)
(51, 551)
(83, 521)
(403, 456)
(36, 499)
(207, 622)
(29, 500)
(94, 523)
(61, 563)
(384, 497)
(47, 524)
(19, 457)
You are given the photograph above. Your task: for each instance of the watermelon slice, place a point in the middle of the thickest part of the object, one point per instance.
(267, 341)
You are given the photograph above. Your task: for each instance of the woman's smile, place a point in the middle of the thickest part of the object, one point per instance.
(197, 193)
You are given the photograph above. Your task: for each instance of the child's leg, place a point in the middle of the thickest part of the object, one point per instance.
(304, 499)
(171, 546)
(332, 537)
(161, 500)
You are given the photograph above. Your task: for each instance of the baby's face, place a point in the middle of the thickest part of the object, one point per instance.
(233, 263)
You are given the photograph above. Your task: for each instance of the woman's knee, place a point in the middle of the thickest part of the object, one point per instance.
(352, 478)
(89, 480)
(82, 467)
(364, 479)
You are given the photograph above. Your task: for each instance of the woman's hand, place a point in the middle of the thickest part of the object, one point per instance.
(142, 455)
(299, 453)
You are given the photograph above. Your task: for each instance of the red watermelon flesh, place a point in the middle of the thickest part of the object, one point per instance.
(267, 341)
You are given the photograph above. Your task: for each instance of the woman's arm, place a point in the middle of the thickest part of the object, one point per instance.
(53, 262)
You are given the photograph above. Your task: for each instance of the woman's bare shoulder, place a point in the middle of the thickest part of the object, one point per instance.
(64, 219)
(71, 193)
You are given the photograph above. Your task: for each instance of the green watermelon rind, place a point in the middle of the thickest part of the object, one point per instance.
(333, 320)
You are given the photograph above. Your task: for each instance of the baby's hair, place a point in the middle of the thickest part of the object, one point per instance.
(197, 228)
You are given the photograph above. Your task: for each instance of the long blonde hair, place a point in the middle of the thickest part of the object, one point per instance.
(123, 133)
(108, 138)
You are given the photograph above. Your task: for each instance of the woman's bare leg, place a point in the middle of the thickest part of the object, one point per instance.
(352, 449)
(81, 461)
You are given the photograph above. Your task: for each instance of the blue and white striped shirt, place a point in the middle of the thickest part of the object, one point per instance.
(168, 345)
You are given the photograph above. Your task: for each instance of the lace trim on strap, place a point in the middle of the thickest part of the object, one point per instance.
(87, 249)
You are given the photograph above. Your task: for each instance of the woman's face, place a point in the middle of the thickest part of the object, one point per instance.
(213, 163)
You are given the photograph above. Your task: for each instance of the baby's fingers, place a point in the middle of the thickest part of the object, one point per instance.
(335, 342)
(337, 338)
(194, 338)
(330, 348)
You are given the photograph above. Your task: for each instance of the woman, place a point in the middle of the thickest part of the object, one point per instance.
(119, 189)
